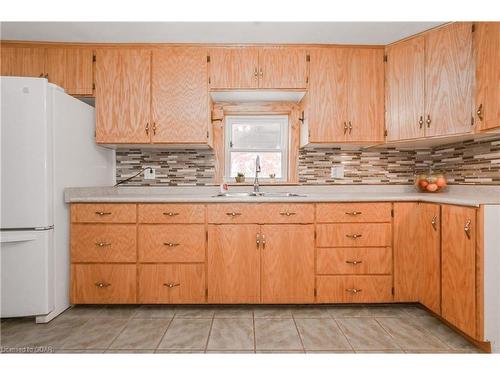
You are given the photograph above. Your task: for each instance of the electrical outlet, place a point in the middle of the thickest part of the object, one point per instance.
(337, 171)
(149, 174)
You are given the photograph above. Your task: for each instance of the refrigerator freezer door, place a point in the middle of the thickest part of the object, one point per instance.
(27, 151)
(27, 273)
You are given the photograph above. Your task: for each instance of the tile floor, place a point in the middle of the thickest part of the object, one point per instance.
(236, 329)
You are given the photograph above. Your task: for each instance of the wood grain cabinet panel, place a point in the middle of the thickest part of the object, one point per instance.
(234, 68)
(233, 263)
(103, 283)
(171, 283)
(282, 68)
(233, 213)
(171, 213)
(354, 261)
(354, 289)
(103, 213)
(287, 263)
(405, 77)
(487, 55)
(103, 243)
(237, 213)
(458, 278)
(354, 235)
(123, 96)
(171, 243)
(449, 79)
(180, 102)
(22, 61)
(353, 212)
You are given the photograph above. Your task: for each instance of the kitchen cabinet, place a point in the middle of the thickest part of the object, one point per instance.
(277, 67)
(487, 56)
(23, 61)
(458, 278)
(123, 95)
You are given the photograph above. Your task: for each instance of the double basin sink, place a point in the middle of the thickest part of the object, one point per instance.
(259, 194)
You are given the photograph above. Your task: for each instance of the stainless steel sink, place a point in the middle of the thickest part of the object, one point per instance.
(260, 194)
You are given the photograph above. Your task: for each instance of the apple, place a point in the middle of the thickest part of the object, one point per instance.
(432, 187)
(441, 181)
(423, 183)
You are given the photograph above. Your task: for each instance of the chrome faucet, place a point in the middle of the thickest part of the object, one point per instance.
(256, 187)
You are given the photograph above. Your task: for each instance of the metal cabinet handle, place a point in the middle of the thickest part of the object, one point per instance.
(354, 290)
(480, 112)
(354, 213)
(263, 241)
(171, 244)
(233, 214)
(467, 227)
(171, 285)
(102, 244)
(257, 240)
(354, 262)
(434, 222)
(154, 128)
(345, 127)
(421, 121)
(102, 213)
(428, 121)
(354, 236)
(147, 128)
(286, 213)
(256, 73)
(41, 75)
(170, 214)
(102, 284)
(261, 73)
(350, 127)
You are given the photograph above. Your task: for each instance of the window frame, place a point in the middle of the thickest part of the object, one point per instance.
(284, 144)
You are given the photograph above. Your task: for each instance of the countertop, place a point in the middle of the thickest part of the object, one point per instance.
(459, 195)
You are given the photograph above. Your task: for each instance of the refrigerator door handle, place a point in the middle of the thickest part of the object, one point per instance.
(7, 237)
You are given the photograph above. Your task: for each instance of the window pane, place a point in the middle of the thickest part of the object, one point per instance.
(244, 162)
(250, 135)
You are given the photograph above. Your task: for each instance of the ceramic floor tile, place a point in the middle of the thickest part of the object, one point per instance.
(141, 334)
(54, 333)
(349, 311)
(18, 332)
(95, 334)
(186, 334)
(415, 310)
(179, 351)
(78, 351)
(130, 351)
(276, 351)
(230, 352)
(272, 312)
(81, 311)
(310, 312)
(408, 336)
(321, 334)
(118, 312)
(330, 351)
(154, 312)
(385, 311)
(277, 334)
(366, 334)
(230, 334)
(388, 351)
(234, 312)
(195, 312)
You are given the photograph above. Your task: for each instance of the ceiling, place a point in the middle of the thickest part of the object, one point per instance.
(214, 32)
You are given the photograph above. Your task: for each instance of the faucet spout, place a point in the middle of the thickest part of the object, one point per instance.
(256, 186)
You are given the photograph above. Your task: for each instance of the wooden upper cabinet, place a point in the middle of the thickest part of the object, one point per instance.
(123, 96)
(23, 61)
(180, 102)
(282, 68)
(234, 68)
(365, 95)
(405, 90)
(449, 80)
(327, 98)
(458, 278)
(487, 54)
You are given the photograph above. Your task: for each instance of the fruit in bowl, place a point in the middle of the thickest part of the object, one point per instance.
(431, 182)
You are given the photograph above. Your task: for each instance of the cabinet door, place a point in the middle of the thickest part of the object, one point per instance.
(234, 68)
(233, 264)
(487, 53)
(366, 95)
(448, 80)
(405, 90)
(23, 61)
(327, 97)
(429, 264)
(180, 102)
(71, 69)
(123, 80)
(458, 279)
(287, 263)
(282, 68)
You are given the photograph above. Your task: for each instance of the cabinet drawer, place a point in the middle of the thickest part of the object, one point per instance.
(103, 283)
(171, 213)
(103, 213)
(260, 213)
(103, 243)
(172, 243)
(353, 212)
(172, 283)
(351, 289)
(354, 260)
(353, 235)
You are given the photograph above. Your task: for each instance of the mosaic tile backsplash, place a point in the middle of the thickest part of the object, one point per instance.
(469, 162)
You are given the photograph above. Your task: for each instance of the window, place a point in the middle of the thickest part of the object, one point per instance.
(249, 136)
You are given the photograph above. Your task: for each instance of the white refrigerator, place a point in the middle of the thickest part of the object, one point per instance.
(47, 144)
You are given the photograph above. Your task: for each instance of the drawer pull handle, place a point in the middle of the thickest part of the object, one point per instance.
(102, 213)
(170, 214)
(171, 244)
(354, 290)
(257, 240)
(467, 227)
(102, 284)
(354, 236)
(354, 213)
(434, 222)
(286, 213)
(354, 262)
(233, 214)
(263, 241)
(102, 244)
(171, 285)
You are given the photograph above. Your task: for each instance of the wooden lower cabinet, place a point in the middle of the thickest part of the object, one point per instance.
(171, 283)
(354, 234)
(354, 289)
(357, 261)
(103, 283)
